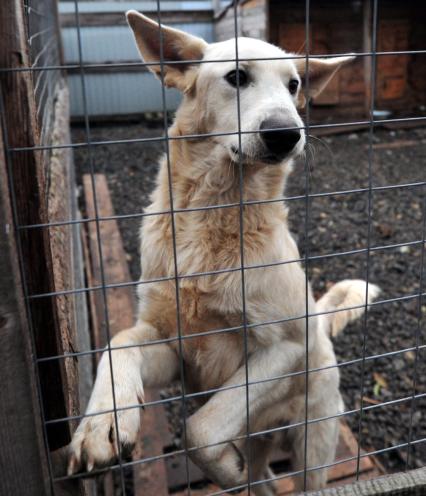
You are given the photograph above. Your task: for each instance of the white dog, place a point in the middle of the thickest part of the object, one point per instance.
(266, 333)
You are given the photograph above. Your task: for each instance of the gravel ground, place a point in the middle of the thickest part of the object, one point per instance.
(338, 223)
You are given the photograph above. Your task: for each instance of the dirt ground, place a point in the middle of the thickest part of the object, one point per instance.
(337, 224)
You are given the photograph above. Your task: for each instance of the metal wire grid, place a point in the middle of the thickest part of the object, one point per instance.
(99, 244)
(44, 50)
(41, 65)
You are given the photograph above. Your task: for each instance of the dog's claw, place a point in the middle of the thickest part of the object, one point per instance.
(111, 435)
(72, 464)
(96, 442)
(241, 460)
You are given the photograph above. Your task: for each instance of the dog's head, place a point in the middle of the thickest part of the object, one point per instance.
(268, 80)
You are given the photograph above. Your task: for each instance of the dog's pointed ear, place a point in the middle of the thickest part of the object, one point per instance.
(321, 71)
(166, 45)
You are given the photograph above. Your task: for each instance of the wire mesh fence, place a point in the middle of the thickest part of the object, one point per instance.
(45, 67)
(44, 50)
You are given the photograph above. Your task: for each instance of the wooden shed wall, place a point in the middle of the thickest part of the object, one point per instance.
(251, 22)
(38, 187)
(345, 26)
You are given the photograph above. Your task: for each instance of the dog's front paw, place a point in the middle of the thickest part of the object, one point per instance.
(95, 443)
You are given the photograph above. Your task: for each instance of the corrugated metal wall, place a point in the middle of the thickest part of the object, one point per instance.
(106, 38)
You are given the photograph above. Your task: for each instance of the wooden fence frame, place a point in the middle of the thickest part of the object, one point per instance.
(411, 483)
(34, 391)
(23, 462)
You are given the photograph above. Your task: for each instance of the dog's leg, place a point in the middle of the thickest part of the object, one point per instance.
(321, 443)
(95, 442)
(223, 417)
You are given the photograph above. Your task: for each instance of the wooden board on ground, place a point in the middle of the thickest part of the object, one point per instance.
(339, 474)
(149, 478)
(120, 300)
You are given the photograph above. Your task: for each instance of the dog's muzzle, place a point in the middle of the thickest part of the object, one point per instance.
(279, 138)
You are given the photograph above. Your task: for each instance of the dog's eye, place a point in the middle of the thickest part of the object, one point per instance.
(232, 76)
(292, 86)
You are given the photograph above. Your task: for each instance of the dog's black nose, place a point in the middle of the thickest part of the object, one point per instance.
(278, 140)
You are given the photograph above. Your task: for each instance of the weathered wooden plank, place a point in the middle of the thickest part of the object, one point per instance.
(66, 260)
(397, 144)
(28, 176)
(120, 300)
(112, 250)
(23, 462)
(412, 483)
(151, 477)
(43, 190)
(91, 295)
(148, 478)
(98, 19)
(60, 190)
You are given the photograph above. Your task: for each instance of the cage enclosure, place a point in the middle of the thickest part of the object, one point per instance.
(84, 124)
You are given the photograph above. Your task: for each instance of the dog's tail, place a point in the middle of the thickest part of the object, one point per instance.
(349, 296)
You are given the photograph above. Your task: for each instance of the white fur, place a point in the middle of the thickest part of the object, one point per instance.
(204, 173)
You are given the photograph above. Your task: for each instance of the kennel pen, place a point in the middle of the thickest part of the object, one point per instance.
(65, 292)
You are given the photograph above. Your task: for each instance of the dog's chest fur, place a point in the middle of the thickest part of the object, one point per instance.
(209, 241)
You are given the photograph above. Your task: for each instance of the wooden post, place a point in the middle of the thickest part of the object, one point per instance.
(23, 463)
(411, 483)
(34, 190)
(29, 185)
(29, 182)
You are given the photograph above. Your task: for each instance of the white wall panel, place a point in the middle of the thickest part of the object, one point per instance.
(120, 93)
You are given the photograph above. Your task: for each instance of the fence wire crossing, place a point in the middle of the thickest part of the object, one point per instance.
(45, 69)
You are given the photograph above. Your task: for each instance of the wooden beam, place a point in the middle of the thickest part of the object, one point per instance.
(46, 255)
(412, 483)
(121, 305)
(23, 461)
(104, 19)
(29, 185)
(60, 191)
(119, 300)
